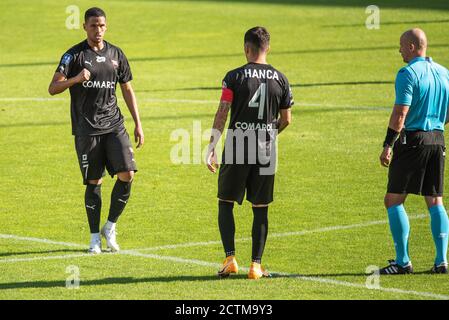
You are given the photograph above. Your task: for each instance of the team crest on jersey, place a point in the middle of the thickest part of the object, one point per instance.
(66, 59)
(101, 59)
(114, 63)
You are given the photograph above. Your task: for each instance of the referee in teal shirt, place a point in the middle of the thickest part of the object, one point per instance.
(414, 150)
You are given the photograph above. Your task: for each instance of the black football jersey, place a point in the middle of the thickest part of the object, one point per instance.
(94, 108)
(259, 92)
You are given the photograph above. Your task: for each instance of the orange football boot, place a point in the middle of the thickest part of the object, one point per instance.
(256, 271)
(229, 266)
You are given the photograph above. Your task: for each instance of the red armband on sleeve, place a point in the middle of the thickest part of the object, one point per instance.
(227, 95)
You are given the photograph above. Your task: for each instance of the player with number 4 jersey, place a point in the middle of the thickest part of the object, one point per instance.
(260, 100)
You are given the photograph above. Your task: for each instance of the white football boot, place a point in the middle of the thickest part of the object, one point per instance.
(95, 244)
(108, 232)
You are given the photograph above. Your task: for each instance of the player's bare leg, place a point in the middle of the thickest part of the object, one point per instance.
(119, 198)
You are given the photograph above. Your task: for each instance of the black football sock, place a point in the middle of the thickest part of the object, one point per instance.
(260, 232)
(227, 226)
(119, 197)
(92, 200)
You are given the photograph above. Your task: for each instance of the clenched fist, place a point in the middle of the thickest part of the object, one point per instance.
(84, 75)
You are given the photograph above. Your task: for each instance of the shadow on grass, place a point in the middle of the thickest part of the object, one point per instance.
(389, 23)
(65, 123)
(298, 109)
(106, 281)
(132, 280)
(336, 275)
(230, 55)
(295, 85)
(407, 4)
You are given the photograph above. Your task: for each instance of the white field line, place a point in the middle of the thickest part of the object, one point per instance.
(280, 235)
(60, 257)
(40, 240)
(305, 104)
(215, 265)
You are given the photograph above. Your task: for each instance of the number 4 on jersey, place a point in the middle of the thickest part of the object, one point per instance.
(258, 100)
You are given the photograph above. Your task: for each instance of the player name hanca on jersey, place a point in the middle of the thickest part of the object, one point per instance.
(261, 74)
(99, 84)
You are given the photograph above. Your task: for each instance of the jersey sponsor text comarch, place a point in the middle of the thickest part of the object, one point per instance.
(99, 84)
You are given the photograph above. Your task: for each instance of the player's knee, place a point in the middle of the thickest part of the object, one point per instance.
(259, 205)
(225, 201)
(388, 201)
(95, 182)
(392, 200)
(433, 201)
(126, 176)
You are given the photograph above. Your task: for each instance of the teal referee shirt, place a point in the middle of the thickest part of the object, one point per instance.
(424, 86)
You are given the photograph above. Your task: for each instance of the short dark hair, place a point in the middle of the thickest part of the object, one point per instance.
(258, 38)
(93, 12)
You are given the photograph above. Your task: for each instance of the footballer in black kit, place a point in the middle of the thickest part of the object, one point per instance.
(97, 123)
(91, 71)
(259, 93)
(260, 100)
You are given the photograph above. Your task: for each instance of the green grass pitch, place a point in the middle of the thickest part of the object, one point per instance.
(327, 224)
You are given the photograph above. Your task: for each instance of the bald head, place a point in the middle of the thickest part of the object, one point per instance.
(417, 37)
(413, 44)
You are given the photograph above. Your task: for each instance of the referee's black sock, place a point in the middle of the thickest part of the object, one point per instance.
(92, 200)
(227, 226)
(119, 197)
(260, 232)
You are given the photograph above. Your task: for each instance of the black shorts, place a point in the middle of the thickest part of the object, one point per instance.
(112, 151)
(234, 179)
(418, 164)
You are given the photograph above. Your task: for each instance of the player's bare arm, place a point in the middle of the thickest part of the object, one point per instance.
(221, 116)
(131, 102)
(396, 124)
(60, 83)
(285, 119)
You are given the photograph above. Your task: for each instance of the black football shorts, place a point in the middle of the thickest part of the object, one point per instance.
(112, 151)
(235, 179)
(418, 164)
